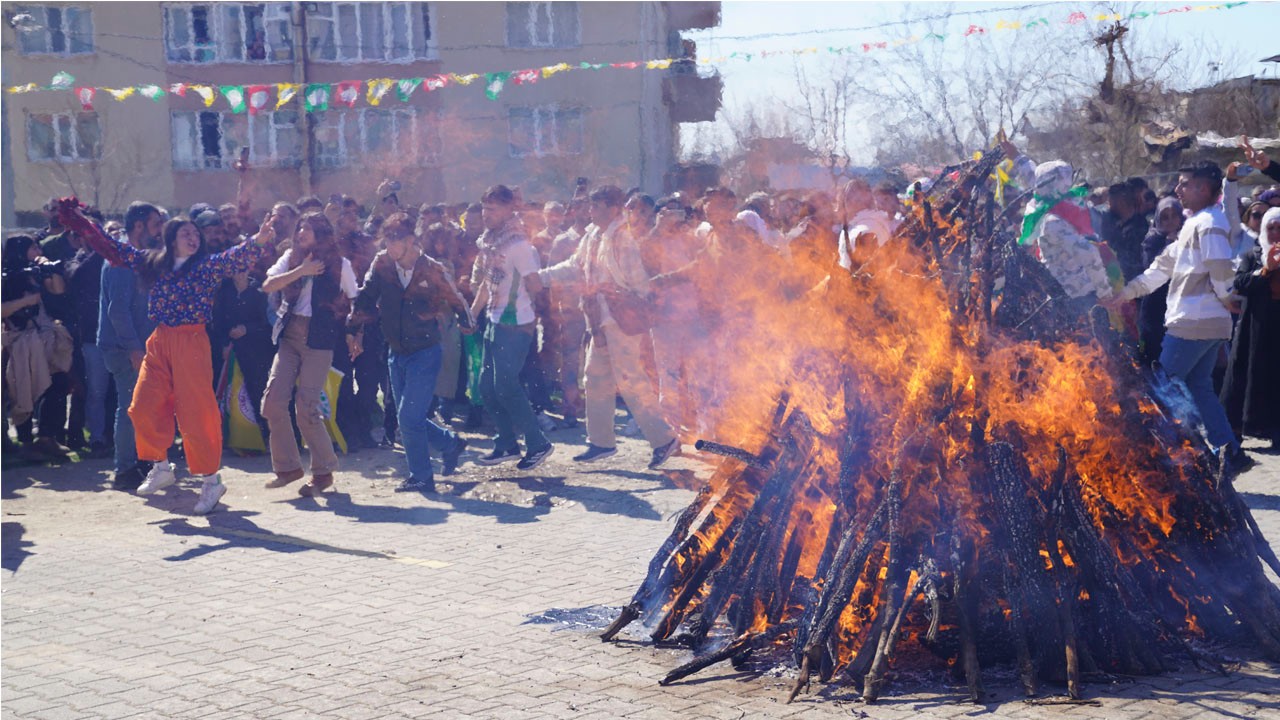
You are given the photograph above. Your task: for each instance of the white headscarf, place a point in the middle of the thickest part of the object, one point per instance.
(1264, 238)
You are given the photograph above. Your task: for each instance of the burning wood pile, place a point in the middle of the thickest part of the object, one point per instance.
(938, 465)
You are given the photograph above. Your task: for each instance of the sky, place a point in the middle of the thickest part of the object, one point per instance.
(1235, 39)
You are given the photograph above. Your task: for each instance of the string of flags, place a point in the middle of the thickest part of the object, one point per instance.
(318, 97)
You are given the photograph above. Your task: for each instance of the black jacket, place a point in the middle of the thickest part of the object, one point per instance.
(409, 317)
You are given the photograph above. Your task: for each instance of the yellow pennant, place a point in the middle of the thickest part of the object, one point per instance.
(377, 88)
(464, 79)
(550, 70)
(205, 92)
(29, 87)
(121, 93)
(285, 92)
(659, 64)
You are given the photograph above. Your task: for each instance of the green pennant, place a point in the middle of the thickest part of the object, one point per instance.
(591, 66)
(494, 82)
(316, 97)
(62, 81)
(154, 92)
(234, 95)
(405, 88)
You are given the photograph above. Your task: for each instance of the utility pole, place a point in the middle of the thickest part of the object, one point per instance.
(300, 62)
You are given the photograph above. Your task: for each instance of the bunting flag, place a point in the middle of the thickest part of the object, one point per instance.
(234, 95)
(525, 77)
(405, 88)
(493, 84)
(286, 92)
(206, 93)
(62, 81)
(377, 89)
(258, 97)
(153, 92)
(347, 92)
(550, 70)
(316, 97)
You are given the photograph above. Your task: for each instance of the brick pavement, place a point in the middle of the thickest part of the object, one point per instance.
(372, 604)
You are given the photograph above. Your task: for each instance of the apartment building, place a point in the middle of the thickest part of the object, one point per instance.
(611, 125)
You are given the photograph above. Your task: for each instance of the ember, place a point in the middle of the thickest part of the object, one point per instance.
(944, 458)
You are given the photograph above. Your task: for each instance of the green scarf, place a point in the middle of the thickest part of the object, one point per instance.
(1043, 205)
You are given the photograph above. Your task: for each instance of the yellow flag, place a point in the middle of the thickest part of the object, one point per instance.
(377, 88)
(285, 92)
(120, 93)
(329, 407)
(243, 432)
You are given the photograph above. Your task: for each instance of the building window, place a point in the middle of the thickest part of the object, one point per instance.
(374, 135)
(545, 130)
(55, 31)
(543, 25)
(370, 32)
(63, 137)
(212, 140)
(228, 32)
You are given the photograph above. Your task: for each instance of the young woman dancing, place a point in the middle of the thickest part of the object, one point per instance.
(176, 378)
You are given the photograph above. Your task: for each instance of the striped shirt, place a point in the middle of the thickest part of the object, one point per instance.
(1197, 267)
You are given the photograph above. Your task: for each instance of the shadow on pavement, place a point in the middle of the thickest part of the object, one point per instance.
(1261, 501)
(594, 499)
(342, 505)
(15, 548)
(235, 530)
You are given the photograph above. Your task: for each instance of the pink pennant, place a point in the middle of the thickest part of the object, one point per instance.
(85, 96)
(435, 82)
(526, 77)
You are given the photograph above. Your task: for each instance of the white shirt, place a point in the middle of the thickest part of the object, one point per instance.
(303, 305)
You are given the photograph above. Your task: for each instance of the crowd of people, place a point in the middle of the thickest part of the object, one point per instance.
(526, 317)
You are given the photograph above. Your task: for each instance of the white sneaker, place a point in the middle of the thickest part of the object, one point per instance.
(210, 493)
(160, 477)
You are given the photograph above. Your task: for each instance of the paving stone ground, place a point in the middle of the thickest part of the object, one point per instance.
(368, 603)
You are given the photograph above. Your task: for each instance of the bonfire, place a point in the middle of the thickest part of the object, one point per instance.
(932, 462)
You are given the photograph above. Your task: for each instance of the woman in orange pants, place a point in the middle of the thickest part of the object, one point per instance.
(175, 381)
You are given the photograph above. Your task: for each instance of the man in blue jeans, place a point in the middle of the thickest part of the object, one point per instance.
(409, 293)
(505, 279)
(123, 329)
(1197, 267)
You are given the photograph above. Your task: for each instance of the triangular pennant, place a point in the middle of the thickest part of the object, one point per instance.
(153, 92)
(62, 81)
(659, 64)
(258, 96)
(347, 92)
(24, 88)
(120, 93)
(285, 92)
(435, 82)
(316, 97)
(85, 96)
(464, 79)
(377, 89)
(179, 89)
(405, 88)
(493, 84)
(591, 66)
(525, 77)
(550, 70)
(625, 65)
(234, 95)
(205, 92)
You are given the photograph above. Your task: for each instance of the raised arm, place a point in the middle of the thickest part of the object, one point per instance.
(241, 257)
(114, 251)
